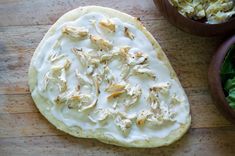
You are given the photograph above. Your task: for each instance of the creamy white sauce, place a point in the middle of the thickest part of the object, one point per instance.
(71, 117)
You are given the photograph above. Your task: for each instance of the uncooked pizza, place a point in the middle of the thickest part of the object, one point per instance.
(98, 73)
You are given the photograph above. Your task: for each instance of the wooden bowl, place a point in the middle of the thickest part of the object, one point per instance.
(214, 79)
(192, 26)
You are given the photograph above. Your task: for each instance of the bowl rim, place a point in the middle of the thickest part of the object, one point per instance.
(214, 80)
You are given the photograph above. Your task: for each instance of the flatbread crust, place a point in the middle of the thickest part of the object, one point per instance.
(42, 103)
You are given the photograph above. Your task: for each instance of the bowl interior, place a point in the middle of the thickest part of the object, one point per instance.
(188, 25)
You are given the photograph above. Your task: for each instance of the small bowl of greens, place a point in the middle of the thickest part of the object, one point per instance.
(221, 78)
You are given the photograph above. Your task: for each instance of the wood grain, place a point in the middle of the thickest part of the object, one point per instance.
(24, 131)
(209, 142)
(19, 117)
(45, 12)
(18, 103)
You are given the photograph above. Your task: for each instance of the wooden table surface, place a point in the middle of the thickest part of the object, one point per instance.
(24, 131)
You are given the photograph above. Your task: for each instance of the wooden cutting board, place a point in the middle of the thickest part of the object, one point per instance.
(24, 131)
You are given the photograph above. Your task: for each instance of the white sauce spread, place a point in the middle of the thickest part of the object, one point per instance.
(100, 76)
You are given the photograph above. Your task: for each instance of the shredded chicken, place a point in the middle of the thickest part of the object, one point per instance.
(142, 70)
(76, 32)
(136, 58)
(83, 57)
(162, 88)
(101, 43)
(96, 79)
(76, 100)
(118, 89)
(124, 124)
(213, 11)
(115, 94)
(166, 112)
(125, 115)
(57, 74)
(45, 81)
(108, 24)
(87, 107)
(105, 57)
(125, 71)
(134, 93)
(128, 33)
(114, 87)
(86, 60)
(56, 57)
(175, 100)
(100, 116)
(83, 80)
(124, 52)
(153, 100)
(155, 120)
(57, 44)
(108, 75)
(122, 94)
(142, 116)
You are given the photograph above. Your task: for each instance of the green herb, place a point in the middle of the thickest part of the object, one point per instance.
(229, 87)
(228, 68)
(227, 74)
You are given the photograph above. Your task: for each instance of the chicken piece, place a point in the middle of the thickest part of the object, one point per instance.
(142, 70)
(142, 116)
(124, 124)
(75, 32)
(101, 43)
(128, 34)
(108, 24)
